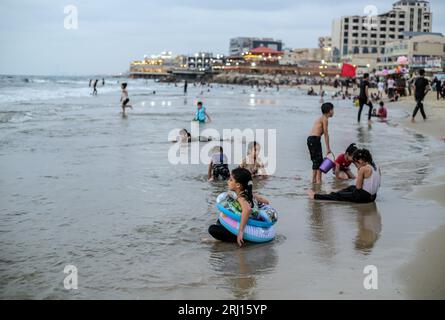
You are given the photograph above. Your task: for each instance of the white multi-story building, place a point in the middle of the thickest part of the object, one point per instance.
(358, 35)
(421, 50)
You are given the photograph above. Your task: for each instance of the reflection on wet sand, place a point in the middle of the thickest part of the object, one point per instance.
(369, 223)
(240, 268)
(363, 135)
(322, 225)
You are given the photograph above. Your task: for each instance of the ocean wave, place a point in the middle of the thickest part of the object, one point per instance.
(15, 116)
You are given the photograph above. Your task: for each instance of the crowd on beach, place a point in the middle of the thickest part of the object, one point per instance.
(368, 175)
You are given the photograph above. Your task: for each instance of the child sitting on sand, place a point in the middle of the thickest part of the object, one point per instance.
(201, 114)
(124, 98)
(240, 182)
(253, 161)
(342, 163)
(314, 141)
(367, 184)
(382, 113)
(218, 166)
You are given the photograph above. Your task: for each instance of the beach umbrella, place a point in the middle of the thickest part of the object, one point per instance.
(402, 60)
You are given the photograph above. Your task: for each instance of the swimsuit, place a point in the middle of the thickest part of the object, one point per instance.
(314, 145)
(200, 115)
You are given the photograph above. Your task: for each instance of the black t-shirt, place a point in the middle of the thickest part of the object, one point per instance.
(363, 85)
(421, 85)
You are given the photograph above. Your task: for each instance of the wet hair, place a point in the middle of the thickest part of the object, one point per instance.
(382, 104)
(244, 178)
(327, 107)
(351, 149)
(199, 103)
(422, 72)
(189, 135)
(364, 155)
(124, 85)
(251, 146)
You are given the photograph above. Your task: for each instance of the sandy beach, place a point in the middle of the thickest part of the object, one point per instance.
(84, 185)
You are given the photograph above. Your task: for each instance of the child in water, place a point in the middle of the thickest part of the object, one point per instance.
(218, 166)
(201, 114)
(124, 98)
(184, 136)
(383, 112)
(342, 163)
(253, 161)
(367, 184)
(240, 182)
(314, 141)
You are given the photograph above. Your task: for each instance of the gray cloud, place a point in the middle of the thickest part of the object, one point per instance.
(111, 33)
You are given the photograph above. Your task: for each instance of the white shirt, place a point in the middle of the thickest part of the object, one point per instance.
(372, 184)
(381, 86)
(390, 84)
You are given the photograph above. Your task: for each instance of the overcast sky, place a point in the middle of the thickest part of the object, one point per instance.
(111, 33)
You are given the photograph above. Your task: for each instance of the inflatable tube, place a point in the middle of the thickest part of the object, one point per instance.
(251, 233)
(227, 204)
(263, 223)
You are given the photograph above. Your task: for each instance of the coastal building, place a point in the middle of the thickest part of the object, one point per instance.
(263, 55)
(305, 55)
(242, 45)
(368, 35)
(417, 51)
(157, 65)
(325, 43)
(202, 61)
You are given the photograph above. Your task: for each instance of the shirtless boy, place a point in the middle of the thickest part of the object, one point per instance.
(319, 129)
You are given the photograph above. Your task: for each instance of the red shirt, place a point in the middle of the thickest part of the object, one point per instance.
(341, 160)
(382, 113)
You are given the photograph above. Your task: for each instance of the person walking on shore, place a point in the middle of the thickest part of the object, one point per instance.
(185, 87)
(391, 91)
(364, 97)
(438, 85)
(381, 88)
(94, 87)
(421, 88)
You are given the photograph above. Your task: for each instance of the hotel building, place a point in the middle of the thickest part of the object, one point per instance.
(362, 35)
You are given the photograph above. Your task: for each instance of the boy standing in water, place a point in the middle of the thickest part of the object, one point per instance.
(124, 98)
(201, 113)
(314, 141)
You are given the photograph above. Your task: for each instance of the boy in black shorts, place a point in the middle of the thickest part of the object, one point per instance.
(314, 141)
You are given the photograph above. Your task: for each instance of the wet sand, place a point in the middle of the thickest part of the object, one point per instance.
(424, 275)
(81, 185)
